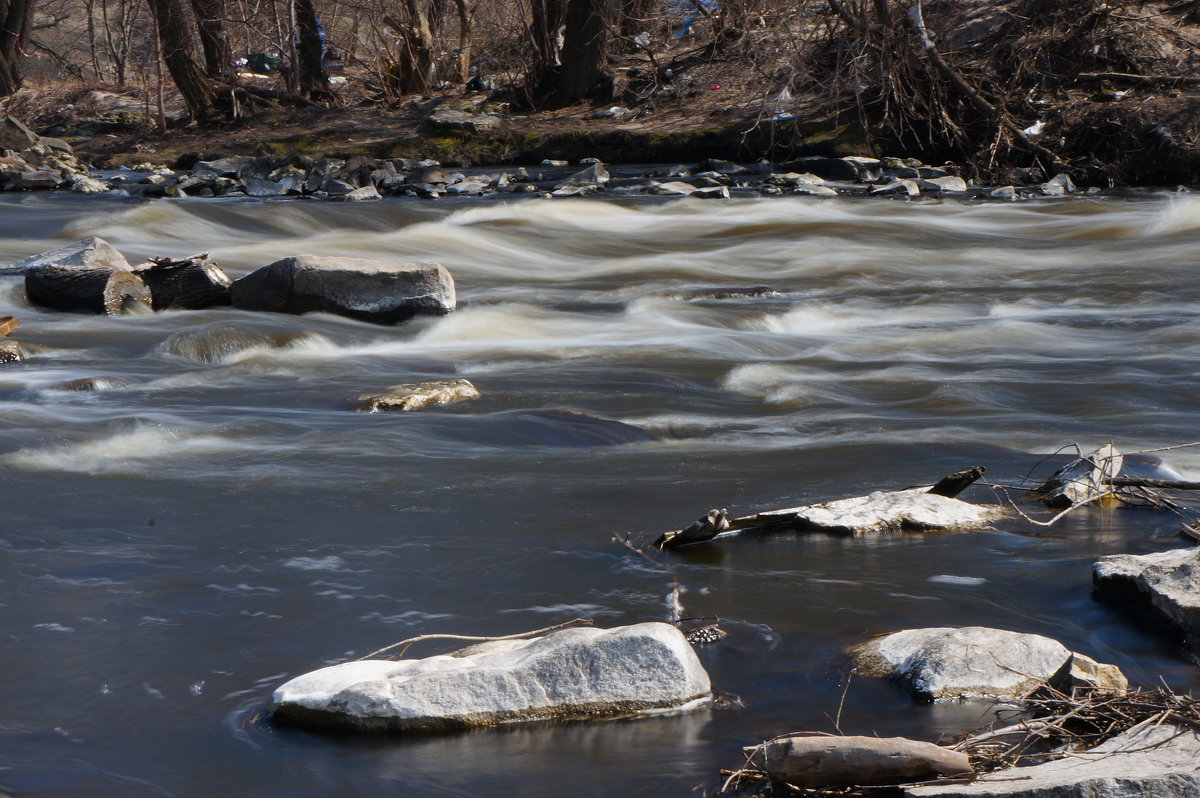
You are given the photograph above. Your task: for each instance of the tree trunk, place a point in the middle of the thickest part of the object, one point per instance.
(210, 18)
(85, 290)
(636, 16)
(584, 52)
(176, 39)
(190, 284)
(414, 66)
(15, 18)
(464, 40)
(313, 82)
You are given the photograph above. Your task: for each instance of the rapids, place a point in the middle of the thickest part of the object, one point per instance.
(214, 519)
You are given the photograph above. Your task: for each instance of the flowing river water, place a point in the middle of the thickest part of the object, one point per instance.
(217, 520)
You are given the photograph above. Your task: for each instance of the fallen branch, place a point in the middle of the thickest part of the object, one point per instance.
(1142, 80)
(404, 645)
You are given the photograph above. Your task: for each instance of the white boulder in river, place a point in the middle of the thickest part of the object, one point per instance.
(569, 673)
(950, 662)
(1167, 582)
(379, 291)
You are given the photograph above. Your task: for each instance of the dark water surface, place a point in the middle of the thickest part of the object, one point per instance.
(217, 521)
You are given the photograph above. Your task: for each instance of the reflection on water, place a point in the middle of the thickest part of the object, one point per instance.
(214, 519)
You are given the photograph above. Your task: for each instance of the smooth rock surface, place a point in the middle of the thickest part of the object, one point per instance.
(569, 673)
(805, 760)
(89, 253)
(383, 292)
(914, 509)
(1154, 762)
(1167, 582)
(950, 662)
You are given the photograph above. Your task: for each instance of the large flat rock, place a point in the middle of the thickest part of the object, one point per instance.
(379, 291)
(570, 673)
(915, 509)
(977, 661)
(1154, 762)
(1167, 583)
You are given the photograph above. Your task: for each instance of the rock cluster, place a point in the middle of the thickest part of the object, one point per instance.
(31, 162)
(90, 276)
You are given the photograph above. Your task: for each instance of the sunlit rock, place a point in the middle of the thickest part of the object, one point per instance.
(1167, 583)
(569, 673)
(415, 395)
(911, 510)
(950, 662)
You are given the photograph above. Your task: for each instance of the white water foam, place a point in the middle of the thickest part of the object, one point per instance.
(141, 448)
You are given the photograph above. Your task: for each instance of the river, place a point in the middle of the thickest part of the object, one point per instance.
(217, 520)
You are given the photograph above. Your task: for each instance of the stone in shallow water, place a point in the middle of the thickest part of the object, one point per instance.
(949, 662)
(415, 395)
(88, 253)
(378, 291)
(914, 509)
(569, 673)
(10, 352)
(1167, 583)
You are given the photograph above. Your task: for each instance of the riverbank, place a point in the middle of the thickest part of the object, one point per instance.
(1010, 93)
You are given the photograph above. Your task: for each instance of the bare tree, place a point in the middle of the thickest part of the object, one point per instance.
(175, 38)
(16, 16)
(210, 19)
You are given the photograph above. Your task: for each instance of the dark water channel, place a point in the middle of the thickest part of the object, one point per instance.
(174, 547)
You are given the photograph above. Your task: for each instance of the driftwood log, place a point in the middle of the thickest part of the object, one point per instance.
(190, 284)
(717, 522)
(811, 761)
(83, 290)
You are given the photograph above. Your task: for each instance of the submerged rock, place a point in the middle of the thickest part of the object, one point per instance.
(812, 761)
(569, 673)
(218, 343)
(378, 291)
(977, 661)
(415, 395)
(1167, 583)
(1158, 761)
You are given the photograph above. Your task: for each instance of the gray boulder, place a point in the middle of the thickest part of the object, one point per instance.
(364, 194)
(1151, 762)
(379, 291)
(1167, 583)
(569, 673)
(976, 661)
(15, 136)
(89, 253)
